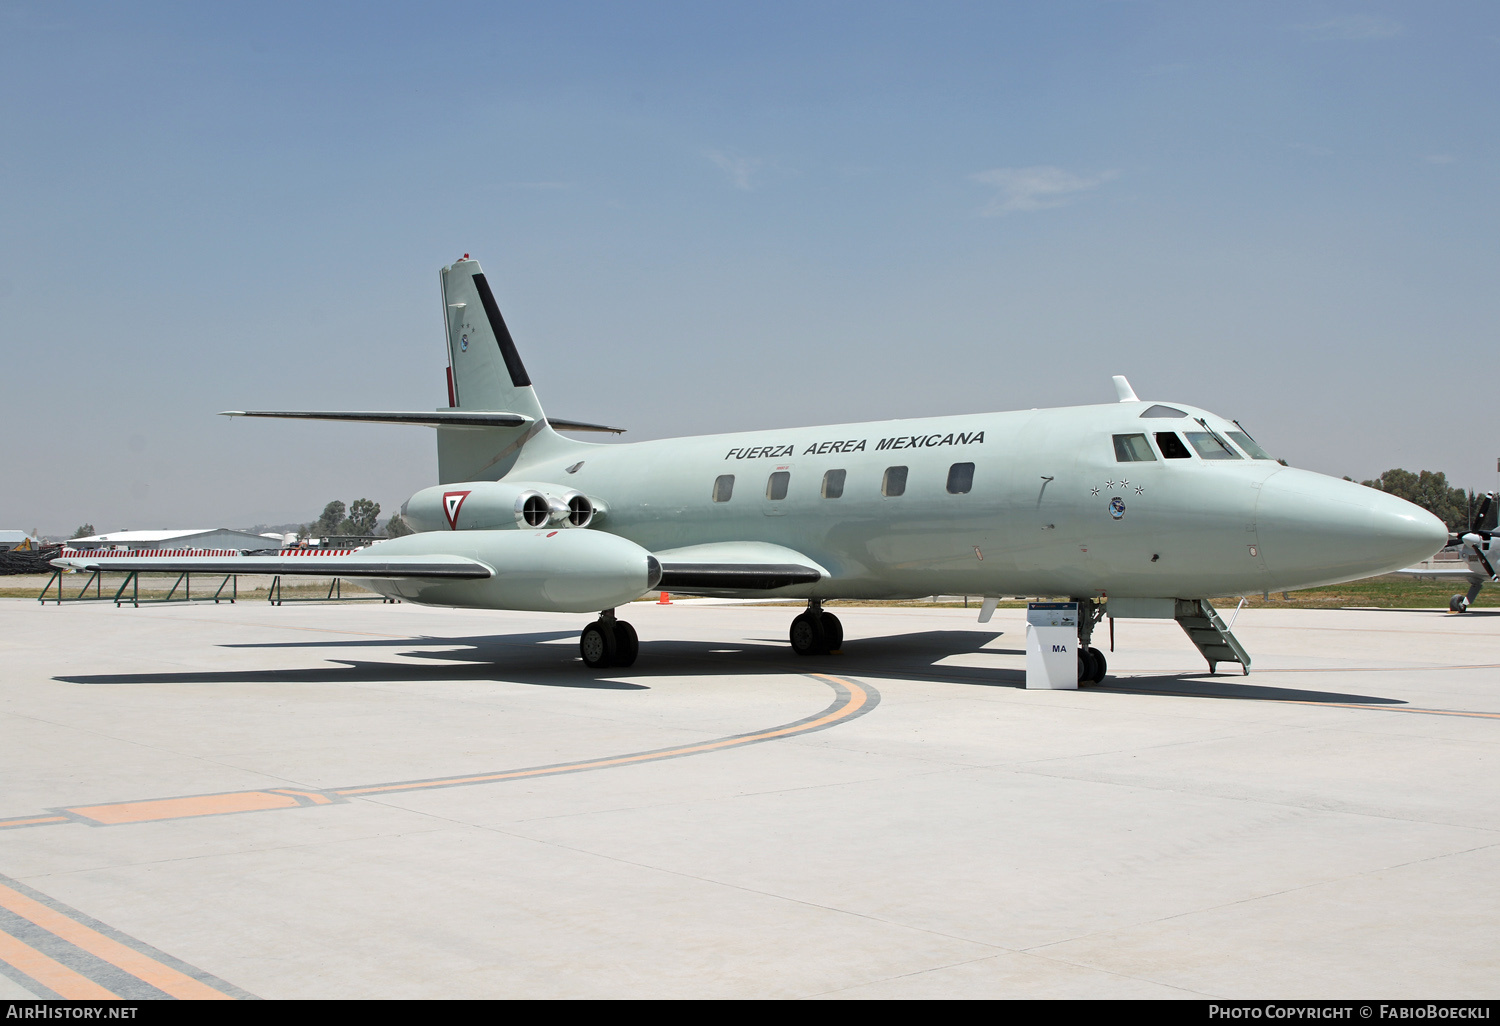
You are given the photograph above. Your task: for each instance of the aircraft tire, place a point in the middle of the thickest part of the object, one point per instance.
(833, 633)
(1091, 666)
(597, 644)
(627, 644)
(1458, 604)
(807, 635)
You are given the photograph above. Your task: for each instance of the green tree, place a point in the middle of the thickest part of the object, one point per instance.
(397, 526)
(363, 515)
(331, 520)
(1430, 490)
(86, 531)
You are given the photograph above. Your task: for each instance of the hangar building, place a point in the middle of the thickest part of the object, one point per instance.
(182, 538)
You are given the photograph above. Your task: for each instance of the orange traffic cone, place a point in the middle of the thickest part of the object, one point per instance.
(664, 600)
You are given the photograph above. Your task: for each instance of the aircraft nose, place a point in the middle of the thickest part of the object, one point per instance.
(1317, 530)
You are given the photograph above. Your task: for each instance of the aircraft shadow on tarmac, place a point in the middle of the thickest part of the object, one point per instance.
(538, 659)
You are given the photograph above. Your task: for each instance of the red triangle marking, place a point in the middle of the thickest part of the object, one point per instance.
(452, 503)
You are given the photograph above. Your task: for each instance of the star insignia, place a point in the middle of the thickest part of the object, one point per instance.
(1109, 484)
(1140, 490)
(1094, 491)
(1124, 483)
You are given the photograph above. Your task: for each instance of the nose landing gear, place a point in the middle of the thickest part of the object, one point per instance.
(1092, 665)
(609, 642)
(816, 632)
(1461, 603)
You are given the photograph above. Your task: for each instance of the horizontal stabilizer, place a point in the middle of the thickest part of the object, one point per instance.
(427, 567)
(437, 418)
(578, 425)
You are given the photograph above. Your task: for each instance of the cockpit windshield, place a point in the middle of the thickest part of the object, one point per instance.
(1244, 441)
(1210, 446)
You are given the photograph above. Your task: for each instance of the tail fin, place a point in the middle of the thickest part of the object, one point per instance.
(485, 373)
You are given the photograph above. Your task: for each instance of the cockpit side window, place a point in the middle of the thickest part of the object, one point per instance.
(1162, 411)
(1244, 441)
(1171, 446)
(1133, 449)
(1210, 446)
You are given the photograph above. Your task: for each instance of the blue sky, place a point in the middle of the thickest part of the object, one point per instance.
(707, 217)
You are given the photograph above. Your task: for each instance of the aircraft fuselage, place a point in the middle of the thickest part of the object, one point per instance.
(1049, 508)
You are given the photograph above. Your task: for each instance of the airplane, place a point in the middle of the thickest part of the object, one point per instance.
(1474, 550)
(1132, 508)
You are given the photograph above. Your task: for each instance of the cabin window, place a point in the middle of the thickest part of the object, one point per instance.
(960, 478)
(1210, 446)
(1171, 446)
(776, 486)
(1162, 411)
(894, 482)
(1255, 452)
(833, 484)
(723, 487)
(1133, 449)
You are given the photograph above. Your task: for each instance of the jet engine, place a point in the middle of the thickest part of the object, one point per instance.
(497, 505)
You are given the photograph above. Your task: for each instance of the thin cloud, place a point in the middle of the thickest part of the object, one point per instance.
(1354, 26)
(1035, 188)
(740, 170)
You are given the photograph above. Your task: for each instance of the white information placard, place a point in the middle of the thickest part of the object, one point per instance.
(1052, 645)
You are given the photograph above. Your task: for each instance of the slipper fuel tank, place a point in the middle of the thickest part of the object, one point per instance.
(553, 570)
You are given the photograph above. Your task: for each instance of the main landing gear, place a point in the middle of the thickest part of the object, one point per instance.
(816, 632)
(1092, 665)
(609, 642)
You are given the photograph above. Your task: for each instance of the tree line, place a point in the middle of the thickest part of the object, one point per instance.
(359, 520)
(1430, 490)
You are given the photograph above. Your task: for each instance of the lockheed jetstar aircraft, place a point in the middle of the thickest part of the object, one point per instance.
(1474, 549)
(1133, 508)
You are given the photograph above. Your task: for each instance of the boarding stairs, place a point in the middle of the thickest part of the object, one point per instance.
(1207, 630)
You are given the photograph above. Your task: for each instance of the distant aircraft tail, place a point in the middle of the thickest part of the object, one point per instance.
(485, 374)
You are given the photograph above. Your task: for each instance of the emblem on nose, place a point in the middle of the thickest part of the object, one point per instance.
(1117, 507)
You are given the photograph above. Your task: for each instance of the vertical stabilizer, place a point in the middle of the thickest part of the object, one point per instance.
(485, 373)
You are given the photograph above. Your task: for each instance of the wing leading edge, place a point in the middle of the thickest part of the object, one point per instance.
(434, 567)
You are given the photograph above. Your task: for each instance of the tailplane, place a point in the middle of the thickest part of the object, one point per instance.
(493, 412)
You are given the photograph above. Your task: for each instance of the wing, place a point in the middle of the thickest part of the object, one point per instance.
(1441, 574)
(439, 567)
(735, 569)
